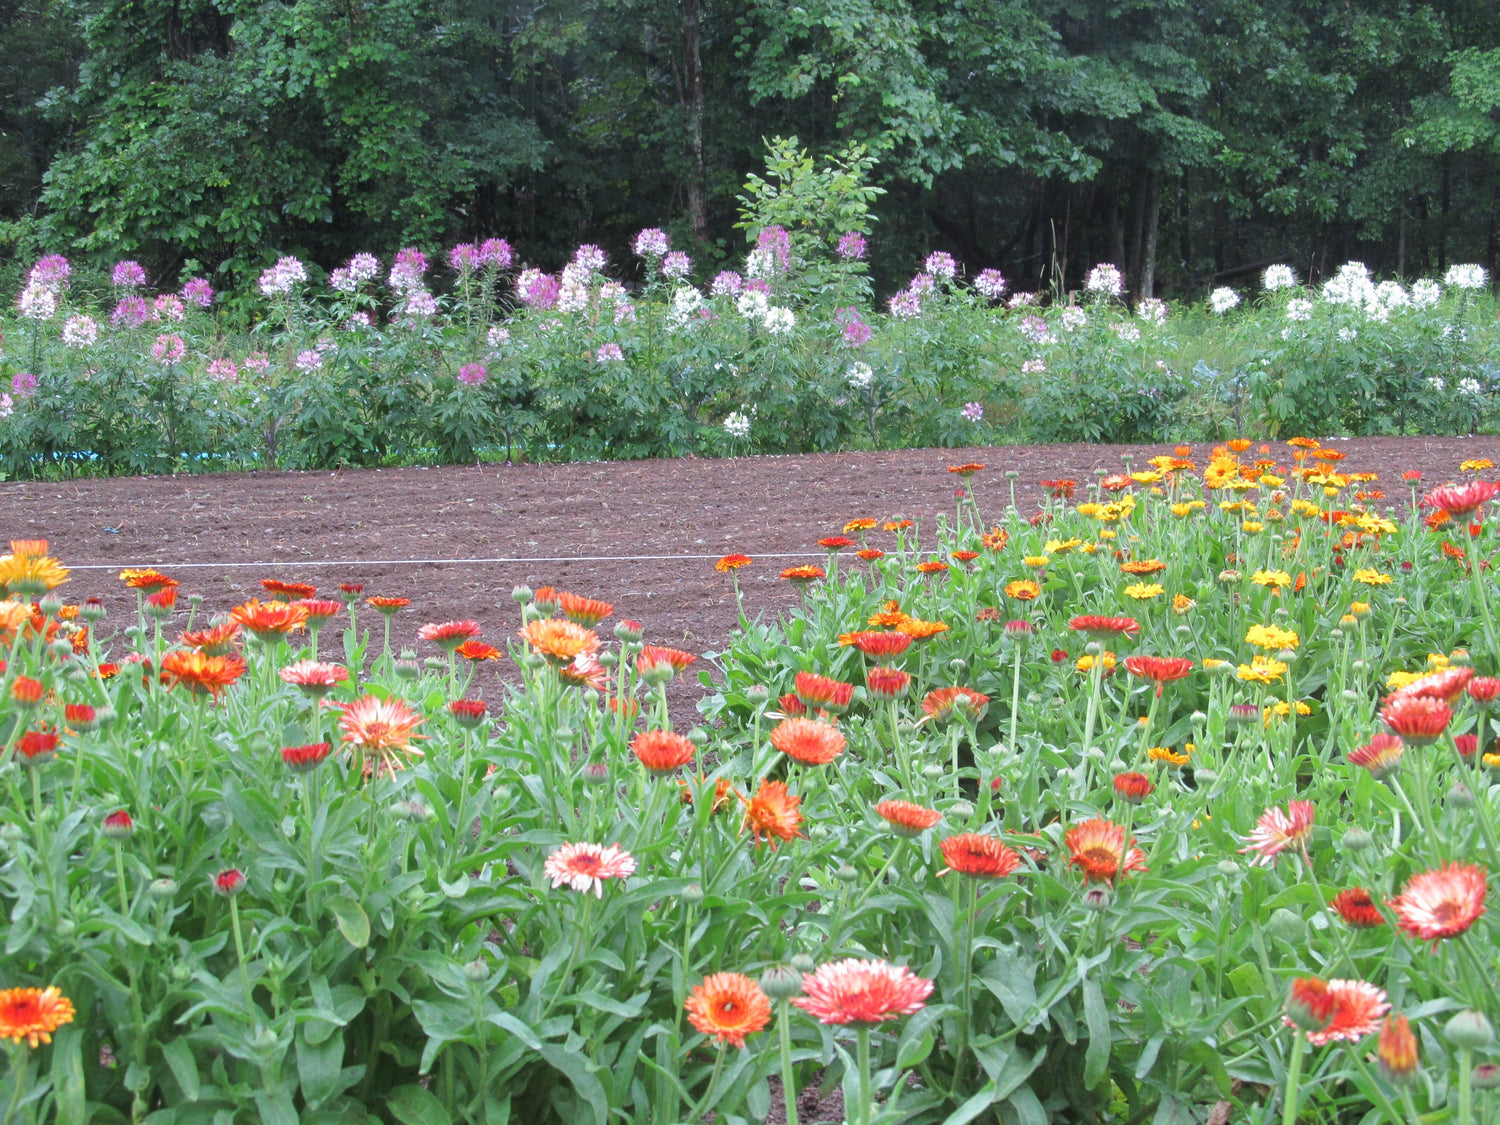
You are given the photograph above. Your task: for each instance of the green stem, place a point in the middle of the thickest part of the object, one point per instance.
(788, 1073)
(1293, 1080)
(120, 880)
(1015, 692)
(18, 1070)
(1466, 1085)
(866, 1095)
(239, 948)
(701, 1107)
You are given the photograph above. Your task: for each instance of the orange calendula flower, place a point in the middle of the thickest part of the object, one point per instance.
(1023, 590)
(1419, 720)
(320, 610)
(944, 704)
(314, 677)
(1358, 1007)
(1105, 627)
(771, 814)
(383, 729)
(1098, 848)
(33, 1014)
(655, 662)
(862, 524)
(870, 554)
(836, 542)
(919, 630)
(1276, 831)
(287, 591)
(1160, 669)
(932, 566)
(1442, 903)
(896, 525)
(863, 993)
(32, 548)
(477, 651)
(662, 752)
(147, 580)
(584, 672)
(1141, 568)
(906, 818)
(805, 573)
(728, 1007)
(1381, 755)
(1397, 1051)
(966, 470)
(558, 641)
(994, 539)
(984, 857)
(808, 741)
(201, 673)
(269, 620)
(587, 612)
(387, 606)
(1133, 787)
(732, 562)
(887, 684)
(30, 576)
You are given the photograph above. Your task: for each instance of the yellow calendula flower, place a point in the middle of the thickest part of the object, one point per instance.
(1348, 620)
(1438, 662)
(1360, 610)
(1271, 638)
(1372, 524)
(1182, 511)
(1085, 663)
(1371, 577)
(1181, 603)
(1144, 591)
(1165, 756)
(1236, 506)
(1397, 680)
(1061, 546)
(1492, 761)
(1271, 481)
(1274, 578)
(1273, 516)
(1476, 465)
(1090, 509)
(1090, 548)
(1252, 526)
(1146, 477)
(1280, 711)
(1108, 533)
(1261, 670)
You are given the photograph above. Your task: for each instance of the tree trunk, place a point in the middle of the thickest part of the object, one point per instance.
(1153, 224)
(692, 60)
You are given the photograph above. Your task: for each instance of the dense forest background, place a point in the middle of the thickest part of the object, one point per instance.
(1189, 143)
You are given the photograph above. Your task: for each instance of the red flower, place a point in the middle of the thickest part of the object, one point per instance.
(1133, 787)
(1358, 1007)
(836, 543)
(981, 856)
(1467, 744)
(1419, 721)
(468, 713)
(26, 692)
(1397, 1050)
(229, 882)
(118, 825)
(303, 759)
(662, 751)
(879, 645)
(1460, 500)
(1161, 669)
(1380, 756)
(1277, 831)
(1442, 903)
(1105, 627)
(477, 651)
(1355, 907)
(287, 591)
(966, 470)
(1309, 1004)
(388, 606)
(790, 704)
(314, 677)
(449, 634)
(319, 610)
(1059, 656)
(808, 741)
(728, 1007)
(1446, 685)
(831, 695)
(81, 717)
(732, 562)
(862, 992)
(1060, 489)
(1483, 690)
(887, 683)
(907, 819)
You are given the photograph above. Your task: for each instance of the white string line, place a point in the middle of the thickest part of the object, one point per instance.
(292, 563)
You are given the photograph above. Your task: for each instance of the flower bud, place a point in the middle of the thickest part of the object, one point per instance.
(595, 773)
(117, 826)
(1287, 656)
(477, 971)
(692, 894)
(1096, 898)
(1459, 797)
(629, 632)
(521, 595)
(1358, 840)
(932, 771)
(1487, 1076)
(105, 716)
(803, 963)
(1469, 1029)
(1309, 1004)
(847, 873)
(92, 610)
(960, 810)
(757, 695)
(1228, 868)
(1397, 1051)
(781, 982)
(1205, 778)
(1335, 634)
(698, 737)
(435, 663)
(1288, 926)
(408, 669)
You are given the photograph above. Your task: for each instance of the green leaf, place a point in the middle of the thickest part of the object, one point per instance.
(67, 1073)
(1096, 1058)
(581, 1074)
(320, 1067)
(179, 1056)
(351, 920)
(412, 1105)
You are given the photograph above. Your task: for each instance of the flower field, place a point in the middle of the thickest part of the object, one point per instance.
(483, 357)
(1168, 799)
